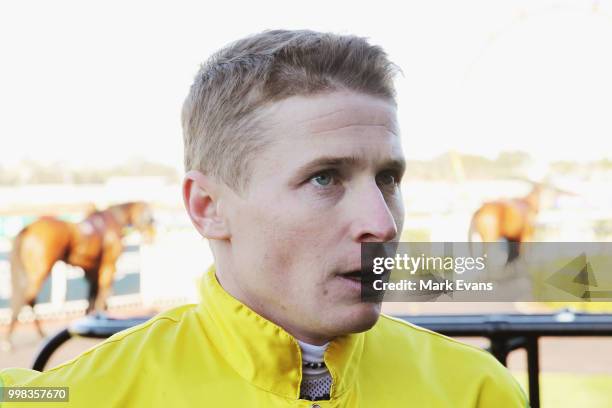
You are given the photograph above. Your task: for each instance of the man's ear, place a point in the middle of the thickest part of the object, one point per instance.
(202, 204)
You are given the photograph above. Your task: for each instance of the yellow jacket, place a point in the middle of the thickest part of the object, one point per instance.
(219, 353)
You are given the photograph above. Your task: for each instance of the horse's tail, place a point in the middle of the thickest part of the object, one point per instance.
(19, 279)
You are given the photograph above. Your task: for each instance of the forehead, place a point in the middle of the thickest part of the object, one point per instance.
(303, 132)
(303, 128)
(328, 112)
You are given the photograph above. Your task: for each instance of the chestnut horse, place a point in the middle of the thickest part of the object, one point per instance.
(93, 244)
(512, 220)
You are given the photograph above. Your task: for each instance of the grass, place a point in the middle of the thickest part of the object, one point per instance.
(584, 307)
(567, 390)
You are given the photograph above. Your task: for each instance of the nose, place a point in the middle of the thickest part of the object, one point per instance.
(373, 220)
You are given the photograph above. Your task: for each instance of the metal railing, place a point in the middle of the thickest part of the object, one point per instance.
(97, 326)
(506, 333)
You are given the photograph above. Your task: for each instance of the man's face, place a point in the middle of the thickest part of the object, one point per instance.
(328, 181)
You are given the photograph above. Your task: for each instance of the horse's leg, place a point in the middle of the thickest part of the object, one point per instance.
(30, 299)
(105, 282)
(108, 267)
(527, 237)
(92, 277)
(6, 344)
(19, 283)
(105, 285)
(17, 302)
(32, 302)
(513, 250)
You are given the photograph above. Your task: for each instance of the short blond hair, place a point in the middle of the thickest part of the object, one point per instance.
(221, 132)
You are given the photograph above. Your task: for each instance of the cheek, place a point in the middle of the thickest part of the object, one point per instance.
(295, 245)
(290, 239)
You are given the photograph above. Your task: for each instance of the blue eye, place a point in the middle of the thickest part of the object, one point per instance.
(322, 179)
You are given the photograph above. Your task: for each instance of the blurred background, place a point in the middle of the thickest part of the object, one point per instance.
(495, 97)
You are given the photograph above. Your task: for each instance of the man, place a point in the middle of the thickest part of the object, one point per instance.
(293, 160)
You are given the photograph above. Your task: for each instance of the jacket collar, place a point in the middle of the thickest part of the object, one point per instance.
(265, 354)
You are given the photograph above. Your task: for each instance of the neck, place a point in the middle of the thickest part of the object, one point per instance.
(120, 214)
(228, 283)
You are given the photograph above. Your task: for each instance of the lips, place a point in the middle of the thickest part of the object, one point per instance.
(354, 274)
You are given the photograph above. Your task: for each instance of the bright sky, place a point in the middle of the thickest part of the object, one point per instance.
(98, 83)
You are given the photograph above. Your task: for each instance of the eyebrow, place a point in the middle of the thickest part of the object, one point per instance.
(399, 164)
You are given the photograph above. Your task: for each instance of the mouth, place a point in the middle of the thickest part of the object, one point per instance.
(354, 275)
